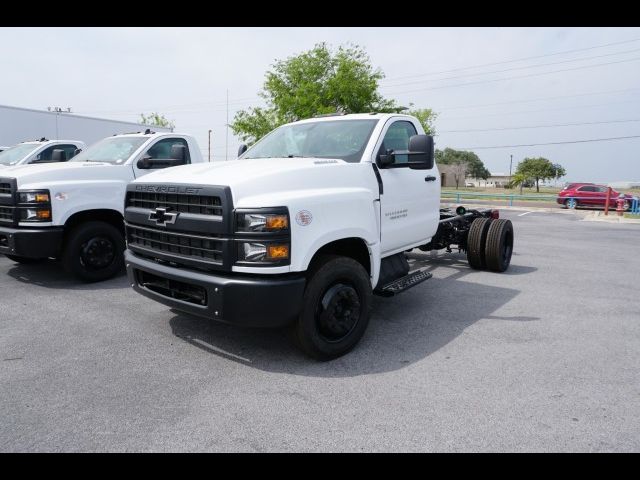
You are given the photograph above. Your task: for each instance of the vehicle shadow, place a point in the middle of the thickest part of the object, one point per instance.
(403, 330)
(51, 274)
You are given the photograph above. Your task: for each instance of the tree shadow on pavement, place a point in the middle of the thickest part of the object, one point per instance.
(51, 274)
(403, 329)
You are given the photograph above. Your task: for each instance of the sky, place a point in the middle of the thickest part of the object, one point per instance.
(488, 85)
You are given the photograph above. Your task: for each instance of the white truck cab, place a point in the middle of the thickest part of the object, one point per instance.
(39, 151)
(302, 228)
(73, 211)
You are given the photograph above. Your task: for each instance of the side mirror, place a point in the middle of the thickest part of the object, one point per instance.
(58, 155)
(178, 153)
(76, 152)
(243, 148)
(144, 163)
(421, 152)
(386, 159)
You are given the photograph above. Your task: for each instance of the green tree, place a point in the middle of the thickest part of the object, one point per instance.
(473, 166)
(156, 119)
(540, 168)
(427, 118)
(314, 82)
(519, 179)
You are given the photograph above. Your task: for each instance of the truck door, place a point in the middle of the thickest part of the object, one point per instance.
(410, 202)
(165, 148)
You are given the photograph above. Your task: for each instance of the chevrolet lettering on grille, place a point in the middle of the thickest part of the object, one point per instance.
(163, 217)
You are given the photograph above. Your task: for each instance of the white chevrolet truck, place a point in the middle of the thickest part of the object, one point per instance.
(302, 229)
(39, 151)
(73, 211)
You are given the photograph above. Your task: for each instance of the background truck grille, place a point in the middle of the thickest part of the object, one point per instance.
(6, 214)
(177, 202)
(176, 245)
(5, 188)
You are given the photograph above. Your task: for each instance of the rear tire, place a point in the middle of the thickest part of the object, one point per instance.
(24, 260)
(499, 246)
(476, 240)
(336, 308)
(94, 251)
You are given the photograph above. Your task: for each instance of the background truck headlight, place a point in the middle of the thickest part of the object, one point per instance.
(41, 196)
(34, 206)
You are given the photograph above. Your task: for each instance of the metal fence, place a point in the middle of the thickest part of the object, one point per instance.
(509, 198)
(505, 197)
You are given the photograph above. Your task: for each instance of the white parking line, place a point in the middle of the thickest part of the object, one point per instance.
(523, 214)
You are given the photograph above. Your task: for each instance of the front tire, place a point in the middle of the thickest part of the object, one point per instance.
(24, 260)
(571, 203)
(94, 251)
(336, 308)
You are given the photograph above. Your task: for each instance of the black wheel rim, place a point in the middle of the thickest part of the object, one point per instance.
(338, 312)
(97, 253)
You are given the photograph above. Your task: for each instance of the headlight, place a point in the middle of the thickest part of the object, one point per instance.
(35, 214)
(262, 222)
(263, 252)
(34, 206)
(41, 196)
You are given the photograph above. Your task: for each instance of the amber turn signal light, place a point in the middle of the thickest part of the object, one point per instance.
(275, 252)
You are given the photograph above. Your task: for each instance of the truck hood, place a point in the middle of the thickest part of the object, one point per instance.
(252, 178)
(68, 172)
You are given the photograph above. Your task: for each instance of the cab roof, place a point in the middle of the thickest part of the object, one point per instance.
(351, 116)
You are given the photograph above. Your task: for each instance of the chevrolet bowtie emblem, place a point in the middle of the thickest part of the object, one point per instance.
(162, 217)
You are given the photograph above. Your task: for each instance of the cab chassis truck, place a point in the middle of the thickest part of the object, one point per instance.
(302, 229)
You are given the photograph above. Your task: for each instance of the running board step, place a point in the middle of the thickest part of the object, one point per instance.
(403, 283)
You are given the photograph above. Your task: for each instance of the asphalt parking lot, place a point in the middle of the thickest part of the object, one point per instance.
(545, 357)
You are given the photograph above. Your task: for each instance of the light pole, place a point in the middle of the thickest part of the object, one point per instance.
(209, 145)
(510, 164)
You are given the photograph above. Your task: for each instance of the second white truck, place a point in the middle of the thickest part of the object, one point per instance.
(73, 211)
(302, 229)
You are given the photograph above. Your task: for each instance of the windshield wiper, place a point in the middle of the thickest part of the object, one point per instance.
(295, 156)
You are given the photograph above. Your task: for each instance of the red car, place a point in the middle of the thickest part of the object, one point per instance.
(590, 195)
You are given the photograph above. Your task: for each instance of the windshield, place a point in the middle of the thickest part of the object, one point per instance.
(13, 155)
(114, 150)
(342, 139)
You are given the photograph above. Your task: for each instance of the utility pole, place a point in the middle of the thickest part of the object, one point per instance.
(209, 146)
(226, 144)
(58, 111)
(510, 164)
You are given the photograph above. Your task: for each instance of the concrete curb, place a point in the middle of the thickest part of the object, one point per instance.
(611, 218)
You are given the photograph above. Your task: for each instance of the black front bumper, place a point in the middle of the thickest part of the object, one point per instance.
(31, 242)
(249, 300)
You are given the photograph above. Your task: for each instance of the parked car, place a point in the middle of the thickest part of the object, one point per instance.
(590, 195)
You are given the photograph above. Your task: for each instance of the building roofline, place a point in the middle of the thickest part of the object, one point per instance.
(67, 114)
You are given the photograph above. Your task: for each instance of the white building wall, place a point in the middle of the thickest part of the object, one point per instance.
(21, 124)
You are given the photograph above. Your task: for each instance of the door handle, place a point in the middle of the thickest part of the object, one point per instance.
(429, 178)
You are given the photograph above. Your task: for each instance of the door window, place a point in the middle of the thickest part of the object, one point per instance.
(162, 149)
(397, 138)
(47, 154)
